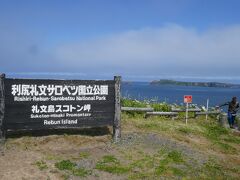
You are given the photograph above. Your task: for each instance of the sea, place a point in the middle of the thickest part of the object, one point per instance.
(174, 94)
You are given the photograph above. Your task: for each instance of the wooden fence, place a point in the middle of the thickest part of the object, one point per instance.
(173, 113)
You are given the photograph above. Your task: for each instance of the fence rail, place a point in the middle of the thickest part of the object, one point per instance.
(158, 113)
(208, 113)
(135, 109)
(173, 113)
(184, 110)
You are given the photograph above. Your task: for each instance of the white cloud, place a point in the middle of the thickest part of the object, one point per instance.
(169, 49)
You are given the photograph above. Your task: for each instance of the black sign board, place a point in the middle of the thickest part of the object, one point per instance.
(32, 104)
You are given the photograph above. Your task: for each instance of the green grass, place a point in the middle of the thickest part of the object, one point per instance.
(81, 172)
(226, 148)
(161, 107)
(72, 168)
(175, 156)
(110, 159)
(152, 126)
(165, 165)
(84, 154)
(53, 157)
(213, 136)
(214, 131)
(160, 169)
(182, 115)
(111, 164)
(212, 169)
(171, 164)
(141, 104)
(232, 139)
(65, 165)
(41, 165)
(157, 165)
(178, 172)
(144, 165)
(221, 137)
(184, 130)
(133, 103)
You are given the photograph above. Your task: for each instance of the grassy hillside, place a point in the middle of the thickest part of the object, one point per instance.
(151, 148)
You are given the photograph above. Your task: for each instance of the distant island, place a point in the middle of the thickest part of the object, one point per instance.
(199, 84)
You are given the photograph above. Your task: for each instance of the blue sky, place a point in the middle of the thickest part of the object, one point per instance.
(138, 39)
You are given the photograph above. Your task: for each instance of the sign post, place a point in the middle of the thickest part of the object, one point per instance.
(2, 105)
(117, 115)
(35, 104)
(187, 100)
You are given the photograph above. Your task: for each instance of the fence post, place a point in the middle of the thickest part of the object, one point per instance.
(223, 120)
(2, 106)
(117, 116)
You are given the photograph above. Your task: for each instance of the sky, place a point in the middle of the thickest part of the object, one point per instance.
(137, 39)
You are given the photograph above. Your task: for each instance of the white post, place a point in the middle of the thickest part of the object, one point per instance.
(186, 113)
(207, 109)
